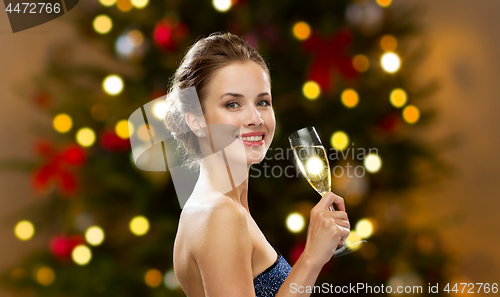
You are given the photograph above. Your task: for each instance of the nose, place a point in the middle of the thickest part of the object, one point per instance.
(253, 118)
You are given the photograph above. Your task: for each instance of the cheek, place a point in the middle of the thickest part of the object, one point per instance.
(270, 120)
(271, 125)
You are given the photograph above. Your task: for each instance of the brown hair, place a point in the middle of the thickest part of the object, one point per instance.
(198, 67)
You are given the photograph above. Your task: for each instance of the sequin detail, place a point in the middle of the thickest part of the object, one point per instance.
(270, 280)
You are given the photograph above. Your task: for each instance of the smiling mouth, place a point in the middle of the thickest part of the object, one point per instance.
(252, 138)
(257, 140)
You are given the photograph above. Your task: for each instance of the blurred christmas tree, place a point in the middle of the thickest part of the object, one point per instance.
(345, 67)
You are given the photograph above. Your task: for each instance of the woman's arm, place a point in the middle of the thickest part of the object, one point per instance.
(304, 273)
(326, 230)
(225, 256)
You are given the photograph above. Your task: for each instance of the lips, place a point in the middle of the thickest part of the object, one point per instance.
(253, 134)
(252, 138)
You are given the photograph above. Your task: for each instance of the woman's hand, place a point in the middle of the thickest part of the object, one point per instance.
(327, 229)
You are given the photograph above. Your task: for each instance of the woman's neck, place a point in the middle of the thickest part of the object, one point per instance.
(217, 179)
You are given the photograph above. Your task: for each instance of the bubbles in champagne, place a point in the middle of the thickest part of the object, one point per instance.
(314, 166)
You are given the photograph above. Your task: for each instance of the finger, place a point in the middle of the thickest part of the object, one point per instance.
(326, 201)
(338, 214)
(339, 201)
(342, 223)
(345, 232)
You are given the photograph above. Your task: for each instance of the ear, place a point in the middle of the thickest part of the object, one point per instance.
(195, 123)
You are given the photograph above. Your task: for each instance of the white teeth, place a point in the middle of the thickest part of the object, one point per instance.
(252, 138)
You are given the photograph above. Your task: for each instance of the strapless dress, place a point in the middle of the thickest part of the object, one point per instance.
(268, 282)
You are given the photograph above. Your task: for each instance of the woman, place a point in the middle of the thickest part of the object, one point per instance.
(219, 250)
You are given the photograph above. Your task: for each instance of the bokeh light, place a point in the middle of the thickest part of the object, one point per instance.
(142, 133)
(411, 114)
(81, 254)
(107, 3)
(170, 280)
(372, 163)
(124, 5)
(62, 123)
(311, 90)
(390, 62)
(360, 63)
(124, 45)
(314, 165)
(112, 84)
(153, 278)
(85, 137)
(159, 109)
(384, 3)
(339, 140)
(398, 98)
(353, 238)
(139, 225)
(301, 30)
(45, 276)
(388, 43)
(136, 37)
(222, 5)
(122, 129)
(102, 24)
(94, 235)
(364, 228)
(140, 3)
(295, 222)
(349, 98)
(24, 230)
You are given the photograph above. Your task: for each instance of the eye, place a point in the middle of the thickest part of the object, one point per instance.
(267, 103)
(232, 104)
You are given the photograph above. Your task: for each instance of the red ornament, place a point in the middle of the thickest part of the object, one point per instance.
(329, 56)
(112, 142)
(167, 35)
(73, 155)
(56, 169)
(62, 246)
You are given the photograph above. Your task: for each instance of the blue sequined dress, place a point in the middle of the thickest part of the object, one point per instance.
(270, 280)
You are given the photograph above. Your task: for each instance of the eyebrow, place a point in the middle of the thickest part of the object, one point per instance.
(241, 96)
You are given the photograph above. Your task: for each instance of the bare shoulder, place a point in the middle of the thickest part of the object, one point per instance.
(218, 219)
(221, 249)
(212, 237)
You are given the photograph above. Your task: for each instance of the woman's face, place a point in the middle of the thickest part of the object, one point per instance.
(239, 95)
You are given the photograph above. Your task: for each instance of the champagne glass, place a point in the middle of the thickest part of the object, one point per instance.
(312, 160)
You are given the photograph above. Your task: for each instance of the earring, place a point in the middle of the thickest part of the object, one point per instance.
(198, 133)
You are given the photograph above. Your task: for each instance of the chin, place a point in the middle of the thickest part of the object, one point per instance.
(253, 161)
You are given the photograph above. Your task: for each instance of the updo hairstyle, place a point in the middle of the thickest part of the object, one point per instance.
(197, 68)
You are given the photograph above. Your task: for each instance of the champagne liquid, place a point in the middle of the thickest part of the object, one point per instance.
(313, 163)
